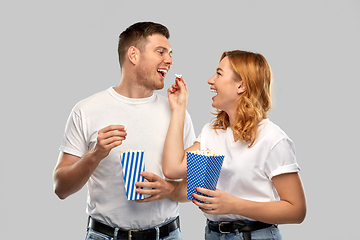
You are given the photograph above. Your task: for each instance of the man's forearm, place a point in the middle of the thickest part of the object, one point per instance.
(179, 192)
(70, 178)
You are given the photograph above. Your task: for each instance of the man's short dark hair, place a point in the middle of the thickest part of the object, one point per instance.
(136, 35)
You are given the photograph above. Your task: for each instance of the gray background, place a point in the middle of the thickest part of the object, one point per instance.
(55, 53)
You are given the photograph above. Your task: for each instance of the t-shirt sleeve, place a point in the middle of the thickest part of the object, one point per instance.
(189, 132)
(202, 136)
(281, 159)
(73, 140)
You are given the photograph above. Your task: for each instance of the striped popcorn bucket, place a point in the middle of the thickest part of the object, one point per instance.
(203, 170)
(132, 165)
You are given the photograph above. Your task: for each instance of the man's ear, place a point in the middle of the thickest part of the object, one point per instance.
(133, 54)
(241, 87)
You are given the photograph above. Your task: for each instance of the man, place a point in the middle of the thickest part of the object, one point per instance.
(129, 116)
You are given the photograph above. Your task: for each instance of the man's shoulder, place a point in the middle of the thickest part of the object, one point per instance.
(93, 100)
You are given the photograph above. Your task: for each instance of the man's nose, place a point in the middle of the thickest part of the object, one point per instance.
(169, 60)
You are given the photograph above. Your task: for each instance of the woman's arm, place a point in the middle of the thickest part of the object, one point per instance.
(290, 209)
(173, 163)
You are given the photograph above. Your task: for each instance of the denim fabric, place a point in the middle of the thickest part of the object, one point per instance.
(93, 235)
(270, 233)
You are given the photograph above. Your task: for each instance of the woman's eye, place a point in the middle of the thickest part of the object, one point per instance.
(219, 74)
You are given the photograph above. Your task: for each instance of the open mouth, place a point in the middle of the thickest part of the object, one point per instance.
(213, 91)
(162, 72)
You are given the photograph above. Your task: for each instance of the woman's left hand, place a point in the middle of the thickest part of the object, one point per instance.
(218, 203)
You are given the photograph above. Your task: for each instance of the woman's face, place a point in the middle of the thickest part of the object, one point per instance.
(226, 87)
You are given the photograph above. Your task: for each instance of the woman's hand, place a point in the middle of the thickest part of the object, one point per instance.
(178, 94)
(291, 208)
(218, 202)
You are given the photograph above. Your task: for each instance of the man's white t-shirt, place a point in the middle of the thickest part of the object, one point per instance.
(147, 121)
(247, 172)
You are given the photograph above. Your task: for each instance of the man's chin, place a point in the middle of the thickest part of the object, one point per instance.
(159, 86)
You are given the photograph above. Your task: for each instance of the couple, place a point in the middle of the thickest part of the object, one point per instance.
(259, 186)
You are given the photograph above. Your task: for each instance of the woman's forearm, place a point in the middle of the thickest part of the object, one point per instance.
(173, 154)
(278, 212)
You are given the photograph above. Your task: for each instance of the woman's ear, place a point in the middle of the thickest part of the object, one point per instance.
(133, 54)
(241, 88)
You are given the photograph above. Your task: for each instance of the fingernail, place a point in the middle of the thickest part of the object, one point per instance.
(196, 189)
(193, 201)
(176, 85)
(192, 195)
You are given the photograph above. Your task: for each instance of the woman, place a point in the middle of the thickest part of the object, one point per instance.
(259, 185)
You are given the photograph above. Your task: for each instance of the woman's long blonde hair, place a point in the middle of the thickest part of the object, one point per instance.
(255, 102)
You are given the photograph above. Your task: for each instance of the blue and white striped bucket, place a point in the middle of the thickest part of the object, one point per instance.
(132, 165)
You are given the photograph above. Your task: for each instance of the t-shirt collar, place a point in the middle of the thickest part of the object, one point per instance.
(131, 100)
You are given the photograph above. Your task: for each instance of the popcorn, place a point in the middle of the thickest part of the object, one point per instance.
(206, 152)
(178, 75)
(132, 165)
(203, 170)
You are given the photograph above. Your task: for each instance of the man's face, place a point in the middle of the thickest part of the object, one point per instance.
(154, 62)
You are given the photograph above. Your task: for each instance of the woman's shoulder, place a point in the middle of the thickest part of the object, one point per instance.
(209, 128)
(270, 131)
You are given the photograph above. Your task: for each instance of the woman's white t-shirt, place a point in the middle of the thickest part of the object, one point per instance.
(247, 172)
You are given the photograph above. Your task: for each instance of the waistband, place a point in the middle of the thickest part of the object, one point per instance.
(135, 234)
(231, 227)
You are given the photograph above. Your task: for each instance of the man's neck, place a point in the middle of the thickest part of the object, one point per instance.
(128, 88)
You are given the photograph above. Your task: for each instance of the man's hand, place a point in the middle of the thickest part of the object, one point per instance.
(108, 138)
(159, 188)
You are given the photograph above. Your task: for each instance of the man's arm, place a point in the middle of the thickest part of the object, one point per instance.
(159, 188)
(71, 172)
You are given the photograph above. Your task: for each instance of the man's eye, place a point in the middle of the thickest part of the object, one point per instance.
(161, 52)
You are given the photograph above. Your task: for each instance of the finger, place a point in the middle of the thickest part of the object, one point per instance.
(112, 135)
(150, 185)
(148, 199)
(205, 191)
(202, 198)
(150, 176)
(203, 206)
(111, 140)
(171, 90)
(181, 82)
(208, 211)
(112, 128)
(147, 191)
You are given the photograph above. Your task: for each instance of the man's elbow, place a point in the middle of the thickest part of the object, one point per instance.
(58, 189)
(60, 193)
